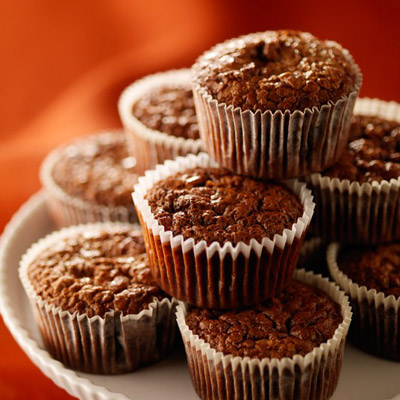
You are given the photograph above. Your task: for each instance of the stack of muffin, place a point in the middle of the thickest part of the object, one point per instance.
(222, 231)
(358, 207)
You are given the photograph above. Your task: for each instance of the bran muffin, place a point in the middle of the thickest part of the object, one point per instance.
(94, 299)
(275, 104)
(220, 240)
(159, 118)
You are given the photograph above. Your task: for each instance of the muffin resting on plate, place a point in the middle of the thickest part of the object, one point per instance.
(371, 278)
(294, 322)
(357, 199)
(220, 240)
(95, 301)
(275, 104)
(290, 346)
(90, 180)
(159, 117)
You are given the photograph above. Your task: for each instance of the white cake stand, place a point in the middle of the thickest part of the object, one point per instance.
(363, 377)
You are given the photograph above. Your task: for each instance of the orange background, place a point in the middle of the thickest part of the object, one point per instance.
(64, 64)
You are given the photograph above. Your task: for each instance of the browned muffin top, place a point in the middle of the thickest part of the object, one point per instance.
(373, 152)
(97, 169)
(275, 70)
(212, 204)
(94, 272)
(376, 267)
(168, 109)
(301, 318)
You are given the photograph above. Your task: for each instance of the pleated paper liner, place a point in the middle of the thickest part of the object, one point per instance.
(354, 213)
(151, 147)
(215, 276)
(67, 210)
(275, 145)
(112, 344)
(313, 376)
(376, 322)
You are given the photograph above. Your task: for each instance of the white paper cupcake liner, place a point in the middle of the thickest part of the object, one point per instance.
(354, 213)
(376, 322)
(215, 276)
(151, 147)
(111, 344)
(275, 145)
(68, 210)
(313, 376)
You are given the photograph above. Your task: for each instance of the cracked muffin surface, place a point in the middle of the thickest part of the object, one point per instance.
(97, 169)
(276, 70)
(94, 272)
(376, 267)
(295, 322)
(373, 151)
(168, 109)
(213, 204)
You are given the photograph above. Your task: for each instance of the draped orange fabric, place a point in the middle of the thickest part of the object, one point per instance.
(64, 64)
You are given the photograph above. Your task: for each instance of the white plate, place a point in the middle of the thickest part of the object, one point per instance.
(363, 377)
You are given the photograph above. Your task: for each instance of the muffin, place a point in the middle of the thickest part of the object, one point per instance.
(220, 240)
(159, 117)
(275, 104)
(90, 180)
(371, 278)
(289, 347)
(94, 299)
(358, 197)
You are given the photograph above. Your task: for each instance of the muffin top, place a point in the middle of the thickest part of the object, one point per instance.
(94, 272)
(299, 319)
(97, 169)
(213, 204)
(373, 152)
(168, 109)
(376, 267)
(275, 70)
